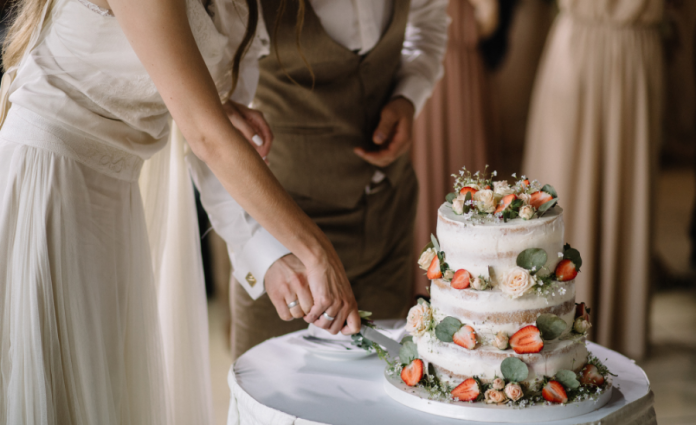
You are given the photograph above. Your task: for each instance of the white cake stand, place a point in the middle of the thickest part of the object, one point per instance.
(417, 398)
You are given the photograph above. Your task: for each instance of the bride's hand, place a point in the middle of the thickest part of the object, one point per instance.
(250, 123)
(332, 294)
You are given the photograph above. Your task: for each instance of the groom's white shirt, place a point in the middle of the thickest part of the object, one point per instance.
(357, 25)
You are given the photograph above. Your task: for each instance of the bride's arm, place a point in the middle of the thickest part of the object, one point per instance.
(159, 32)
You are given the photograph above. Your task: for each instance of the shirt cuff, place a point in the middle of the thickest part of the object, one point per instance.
(414, 88)
(252, 263)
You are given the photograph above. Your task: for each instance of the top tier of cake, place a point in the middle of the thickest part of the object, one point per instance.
(476, 246)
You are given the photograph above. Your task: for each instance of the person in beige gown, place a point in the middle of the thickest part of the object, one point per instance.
(593, 134)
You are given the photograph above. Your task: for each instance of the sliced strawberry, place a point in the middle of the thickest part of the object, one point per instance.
(589, 375)
(554, 392)
(527, 340)
(468, 189)
(565, 271)
(505, 202)
(413, 373)
(488, 187)
(525, 182)
(434, 271)
(539, 198)
(465, 337)
(461, 279)
(467, 391)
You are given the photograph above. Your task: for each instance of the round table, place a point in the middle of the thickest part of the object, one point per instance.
(280, 383)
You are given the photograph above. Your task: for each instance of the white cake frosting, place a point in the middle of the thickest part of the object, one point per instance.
(482, 246)
(475, 247)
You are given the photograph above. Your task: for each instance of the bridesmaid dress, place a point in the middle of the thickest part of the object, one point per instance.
(102, 305)
(593, 134)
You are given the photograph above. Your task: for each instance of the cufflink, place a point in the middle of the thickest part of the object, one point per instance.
(251, 280)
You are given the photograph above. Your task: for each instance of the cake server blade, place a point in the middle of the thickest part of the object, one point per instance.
(389, 344)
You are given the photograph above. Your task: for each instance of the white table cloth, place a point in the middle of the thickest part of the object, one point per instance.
(278, 383)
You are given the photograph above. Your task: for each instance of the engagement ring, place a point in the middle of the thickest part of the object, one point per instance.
(293, 304)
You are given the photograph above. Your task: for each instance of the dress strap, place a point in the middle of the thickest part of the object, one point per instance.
(11, 73)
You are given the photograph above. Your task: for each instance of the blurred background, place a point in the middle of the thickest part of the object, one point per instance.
(498, 63)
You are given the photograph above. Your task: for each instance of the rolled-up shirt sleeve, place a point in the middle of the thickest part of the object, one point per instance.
(423, 51)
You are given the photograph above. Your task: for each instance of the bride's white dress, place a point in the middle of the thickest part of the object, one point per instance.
(102, 309)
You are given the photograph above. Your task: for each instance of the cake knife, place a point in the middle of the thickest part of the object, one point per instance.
(389, 344)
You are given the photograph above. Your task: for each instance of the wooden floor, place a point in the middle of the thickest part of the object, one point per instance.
(671, 365)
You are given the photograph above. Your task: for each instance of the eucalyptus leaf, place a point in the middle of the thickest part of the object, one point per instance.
(445, 329)
(568, 378)
(550, 190)
(406, 339)
(514, 369)
(551, 326)
(573, 255)
(547, 206)
(433, 240)
(428, 246)
(532, 258)
(451, 197)
(408, 352)
(467, 205)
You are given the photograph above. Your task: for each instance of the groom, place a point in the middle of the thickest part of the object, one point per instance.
(341, 104)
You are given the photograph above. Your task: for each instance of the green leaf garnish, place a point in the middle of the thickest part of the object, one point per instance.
(551, 326)
(447, 328)
(550, 190)
(568, 378)
(514, 369)
(433, 240)
(547, 206)
(408, 352)
(428, 246)
(467, 206)
(573, 255)
(451, 197)
(532, 259)
(407, 338)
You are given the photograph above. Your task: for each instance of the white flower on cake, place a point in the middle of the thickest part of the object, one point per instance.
(517, 282)
(513, 391)
(526, 212)
(426, 258)
(485, 200)
(419, 319)
(502, 188)
(498, 384)
(501, 341)
(581, 325)
(458, 206)
(494, 397)
(479, 284)
(525, 197)
(449, 274)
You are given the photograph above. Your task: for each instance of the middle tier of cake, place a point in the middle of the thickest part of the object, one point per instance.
(492, 311)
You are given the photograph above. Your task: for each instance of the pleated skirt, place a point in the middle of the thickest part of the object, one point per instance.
(80, 341)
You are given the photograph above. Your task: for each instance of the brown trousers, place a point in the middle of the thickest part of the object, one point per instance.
(375, 243)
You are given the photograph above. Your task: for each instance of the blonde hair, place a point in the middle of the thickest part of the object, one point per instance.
(26, 17)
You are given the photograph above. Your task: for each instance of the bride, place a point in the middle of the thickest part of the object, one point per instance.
(102, 320)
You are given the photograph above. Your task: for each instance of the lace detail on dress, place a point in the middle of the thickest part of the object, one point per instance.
(96, 9)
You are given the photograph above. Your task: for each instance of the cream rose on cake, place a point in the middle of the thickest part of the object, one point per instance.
(502, 188)
(525, 198)
(492, 396)
(419, 319)
(517, 282)
(426, 258)
(526, 212)
(485, 201)
(513, 391)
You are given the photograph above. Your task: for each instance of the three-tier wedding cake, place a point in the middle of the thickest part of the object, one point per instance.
(502, 325)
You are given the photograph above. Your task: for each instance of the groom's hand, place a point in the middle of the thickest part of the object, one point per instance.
(285, 282)
(393, 134)
(250, 123)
